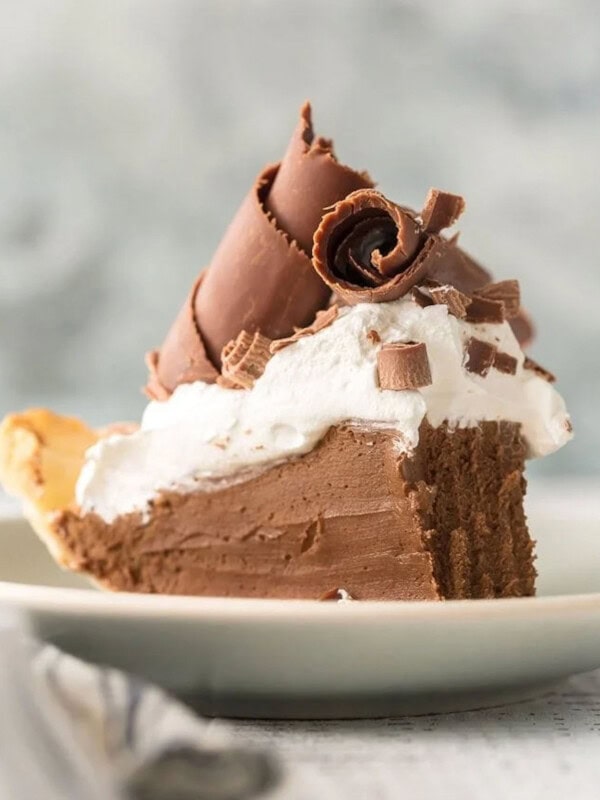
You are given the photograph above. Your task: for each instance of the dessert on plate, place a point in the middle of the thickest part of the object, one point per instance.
(341, 409)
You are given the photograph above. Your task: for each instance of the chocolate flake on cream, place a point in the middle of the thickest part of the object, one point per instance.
(457, 302)
(540, 371)
(482, 310)
(322, 320)
(479, 356)
(505, 363)
(507, 292)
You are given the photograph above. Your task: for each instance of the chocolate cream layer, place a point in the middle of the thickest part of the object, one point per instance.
(353, 514)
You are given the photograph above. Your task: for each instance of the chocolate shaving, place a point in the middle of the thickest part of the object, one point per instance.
(421, 296)
(182, 357)
(244, 360)
(403, 365)
(310, 179)
(373, 337)
(482, 310)
(479, 356)
(322, 320)
(523, 328)
(540, 371)
(457, 302)
(507, 292)
(441, 210)
(370, 250)
(505, 363)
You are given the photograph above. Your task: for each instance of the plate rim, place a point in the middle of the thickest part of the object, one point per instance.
(98, 603)
(35, 597)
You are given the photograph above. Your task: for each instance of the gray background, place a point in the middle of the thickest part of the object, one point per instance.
(130, 131)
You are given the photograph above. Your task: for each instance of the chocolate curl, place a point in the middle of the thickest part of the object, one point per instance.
(182, 357)
(310, 179)
(322, 320)
(506, 292)
(441, 210)
(403, 365)
(370, 250)
(260, 278)
(244, 360)
(540, 371)
(479, 356)
(523, 328)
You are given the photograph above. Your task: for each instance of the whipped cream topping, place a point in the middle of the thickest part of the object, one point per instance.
(205, 435)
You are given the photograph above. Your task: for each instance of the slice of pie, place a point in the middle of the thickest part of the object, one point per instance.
(342, 408)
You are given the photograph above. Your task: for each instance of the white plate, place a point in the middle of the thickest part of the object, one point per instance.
(307, 659)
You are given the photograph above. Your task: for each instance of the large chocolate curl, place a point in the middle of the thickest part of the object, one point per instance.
(366, 249)
(182, 358)
(261, 277)
(370, 250)
(308, 181)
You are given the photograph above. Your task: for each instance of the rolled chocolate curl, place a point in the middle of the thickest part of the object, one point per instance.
(309, 180)
(261, 277)
(370, 250)
(403, 365)
(182, 357)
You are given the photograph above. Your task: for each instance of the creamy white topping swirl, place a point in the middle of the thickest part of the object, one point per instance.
(205, 435)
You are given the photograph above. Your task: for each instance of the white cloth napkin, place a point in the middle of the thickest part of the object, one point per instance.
(70, 730)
